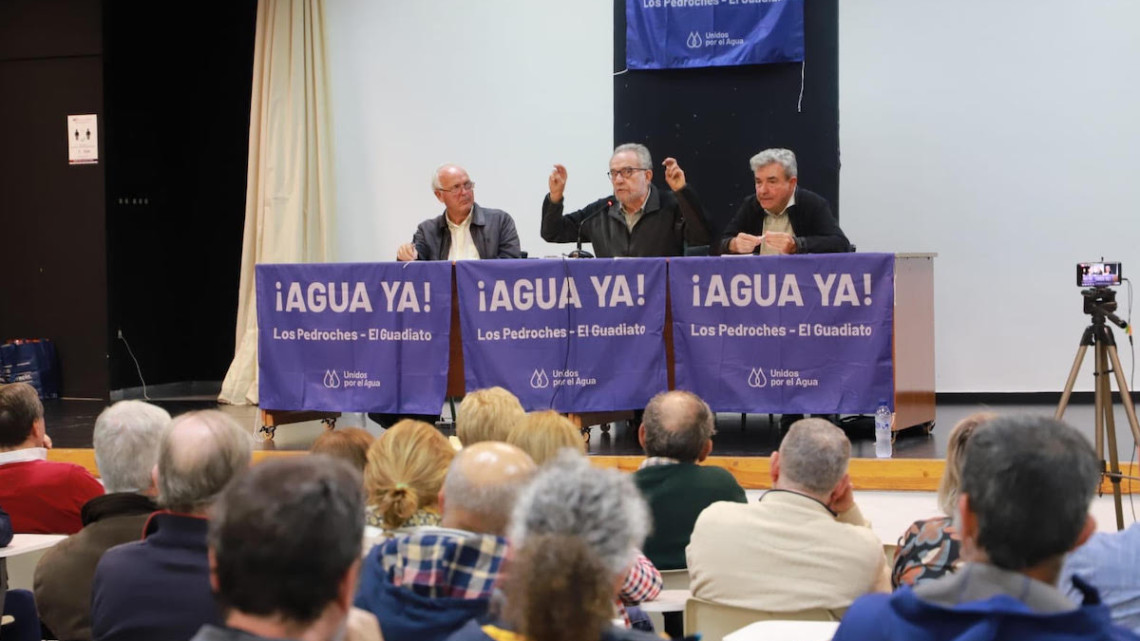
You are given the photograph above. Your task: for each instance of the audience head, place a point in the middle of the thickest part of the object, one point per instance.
(285, 545)
(487, 415)
(482, 486)
(405, 470)
(677, 425)
(349, 444)
(955, 455)
(199, 454)
(812, 458)
(570, 497)
(634, 159)
(21, 417)
(543, 434)
(1027, 483)
(126, 438)
(775, 173)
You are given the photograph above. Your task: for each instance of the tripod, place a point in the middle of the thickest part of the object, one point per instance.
(1100, 302)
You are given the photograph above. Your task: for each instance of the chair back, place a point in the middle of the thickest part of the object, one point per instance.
(715, 620)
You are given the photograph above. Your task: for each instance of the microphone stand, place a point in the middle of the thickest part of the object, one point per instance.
(579, 252)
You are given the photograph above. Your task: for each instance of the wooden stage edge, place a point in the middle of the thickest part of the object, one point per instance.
(752, 472)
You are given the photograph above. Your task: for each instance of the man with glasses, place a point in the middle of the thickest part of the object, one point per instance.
(638, 219)
(464, 230)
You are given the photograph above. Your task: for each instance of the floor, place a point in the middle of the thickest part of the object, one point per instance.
(70, 423)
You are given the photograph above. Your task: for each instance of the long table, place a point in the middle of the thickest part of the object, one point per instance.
(912, 350)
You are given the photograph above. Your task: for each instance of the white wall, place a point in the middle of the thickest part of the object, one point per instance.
(505, 88)
(1004, 136)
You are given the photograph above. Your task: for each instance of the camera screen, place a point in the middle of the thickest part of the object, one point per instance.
(1098, 274)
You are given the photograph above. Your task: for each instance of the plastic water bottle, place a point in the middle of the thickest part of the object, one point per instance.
(883, 430)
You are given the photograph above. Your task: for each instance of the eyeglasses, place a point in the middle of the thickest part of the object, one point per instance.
(624, 172)
(467, 186)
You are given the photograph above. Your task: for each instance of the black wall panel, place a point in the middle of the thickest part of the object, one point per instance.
(713, 120)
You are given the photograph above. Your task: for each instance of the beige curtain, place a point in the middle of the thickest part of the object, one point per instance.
(289, 194)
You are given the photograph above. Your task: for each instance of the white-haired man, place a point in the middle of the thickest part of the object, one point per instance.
(782, 218)
(638, 219)
(465, 230)
(126, 449)
(804, 545)
(426, 584)
(159, 587)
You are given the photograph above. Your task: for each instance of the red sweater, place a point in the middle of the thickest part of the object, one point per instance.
(45, 497)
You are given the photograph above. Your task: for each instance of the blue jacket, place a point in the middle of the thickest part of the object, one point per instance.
(157, 588)
(903, 615)
(405, 615)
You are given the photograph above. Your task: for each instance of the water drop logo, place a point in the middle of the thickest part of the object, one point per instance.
(539, 380)
(756, 378)
(332, 380)
(694, 41)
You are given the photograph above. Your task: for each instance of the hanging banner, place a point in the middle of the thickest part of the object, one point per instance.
(673, 34)
(785, 334)
(354, 337)
(569, 335)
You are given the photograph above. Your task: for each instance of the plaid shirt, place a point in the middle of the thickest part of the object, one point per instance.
(440, 562)
(643, 583)
(654, 461)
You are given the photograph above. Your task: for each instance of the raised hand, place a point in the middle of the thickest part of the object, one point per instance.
(674, 175)
(557, 183)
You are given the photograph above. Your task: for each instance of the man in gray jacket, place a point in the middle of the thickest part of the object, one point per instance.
(464, 230)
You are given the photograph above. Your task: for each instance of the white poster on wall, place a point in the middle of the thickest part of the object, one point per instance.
(82, 140)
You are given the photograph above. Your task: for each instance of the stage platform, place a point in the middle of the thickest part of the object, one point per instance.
(742, 447)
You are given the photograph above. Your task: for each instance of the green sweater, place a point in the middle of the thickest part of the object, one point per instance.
(676, 495)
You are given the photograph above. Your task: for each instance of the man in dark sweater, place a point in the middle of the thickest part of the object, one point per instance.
(676, 433)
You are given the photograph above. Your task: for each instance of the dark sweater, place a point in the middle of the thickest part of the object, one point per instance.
(676, 495)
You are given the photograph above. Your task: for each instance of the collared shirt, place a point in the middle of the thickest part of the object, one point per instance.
(655, 461)
(439, 562)
(777, 222)
(980, 581)
(1109, 561)
(24, 455)
(631, 219)
(462, 244)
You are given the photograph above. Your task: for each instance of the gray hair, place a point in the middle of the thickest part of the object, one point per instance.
(601, 506)
(814, 455)
(20, 408)
(681, 433)
(435, 184)
(126, 444)
(199, 454)
(1029, 480)
(641, 150)
(491, 502)
(786, 158)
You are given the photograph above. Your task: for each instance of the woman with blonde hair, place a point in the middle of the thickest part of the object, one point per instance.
(405, 471)
(930, 548)
(543, 434)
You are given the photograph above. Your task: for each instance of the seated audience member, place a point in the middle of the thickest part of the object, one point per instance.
(5, 539)
(159, 587)
(487, 415)
(41, 496)
(575, 531)
(543, 434)
(930, 549)
(804, 545)
(425, 584)
(676, 434)
(126, 450)
(404, 474)
(1109, 563)
(1027, 483)
(782, 218)
(349, 444)
(285, 550)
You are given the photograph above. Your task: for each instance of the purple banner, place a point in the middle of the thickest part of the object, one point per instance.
(785, 334)
(569, 335)
(354, 337)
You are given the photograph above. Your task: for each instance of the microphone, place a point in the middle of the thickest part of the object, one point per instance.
(579, 252)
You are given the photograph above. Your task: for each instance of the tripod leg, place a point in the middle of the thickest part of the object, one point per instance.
(1060, 413)
(1104, 411)
(1125, 395)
